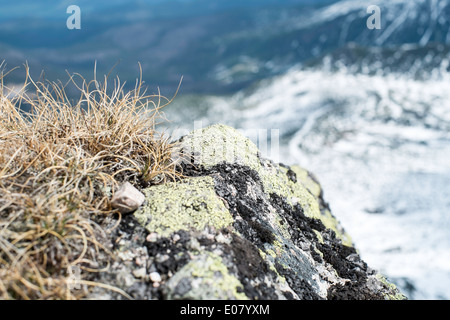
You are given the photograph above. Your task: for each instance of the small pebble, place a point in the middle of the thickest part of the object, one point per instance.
(155, 277)
(140, 273)
(176, 237)
(152, 237)
(127, 199)
(139, 261)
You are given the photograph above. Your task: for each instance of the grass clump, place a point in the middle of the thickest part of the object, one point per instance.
(59, 166)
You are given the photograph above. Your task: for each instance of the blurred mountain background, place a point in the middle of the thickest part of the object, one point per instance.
(217, 46)
(366, 110)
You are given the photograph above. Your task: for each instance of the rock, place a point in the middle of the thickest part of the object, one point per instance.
(127, 198)
(242, 227)
(140, 273)
(155, 276)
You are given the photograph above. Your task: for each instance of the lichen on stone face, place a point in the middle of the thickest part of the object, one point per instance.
(217, 144)
(188, 205)
(205, 277)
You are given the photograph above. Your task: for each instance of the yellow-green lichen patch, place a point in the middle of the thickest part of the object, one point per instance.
(219, 143)
(304, 176)
(188, 205)
(319, 236)
(209, 279)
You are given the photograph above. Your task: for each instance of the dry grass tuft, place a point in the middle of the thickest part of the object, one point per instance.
(59, 166)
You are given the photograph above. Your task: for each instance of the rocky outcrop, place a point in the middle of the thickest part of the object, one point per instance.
(237, 227)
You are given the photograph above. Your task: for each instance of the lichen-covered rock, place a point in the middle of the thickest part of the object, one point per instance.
(239, 227)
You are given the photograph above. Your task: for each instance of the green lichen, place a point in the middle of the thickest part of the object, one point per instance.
(305, 177)
(209, 278)
(188, 205)
(219, 143)
(271, 253)
(319, 236)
